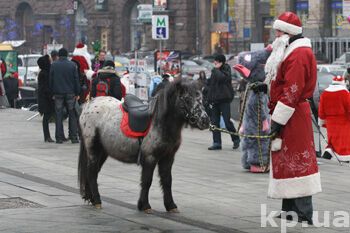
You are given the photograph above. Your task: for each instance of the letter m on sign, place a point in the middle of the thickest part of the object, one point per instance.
(160, 22)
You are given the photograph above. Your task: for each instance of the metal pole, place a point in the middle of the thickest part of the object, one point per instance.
(160, 57)
(136, 62)
(25, 59)
(197, 27)
(227, 33)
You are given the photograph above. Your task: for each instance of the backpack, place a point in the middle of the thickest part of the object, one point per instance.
(103, 87)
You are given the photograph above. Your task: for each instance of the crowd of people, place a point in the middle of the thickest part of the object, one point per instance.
(63, 85)
(289, 83)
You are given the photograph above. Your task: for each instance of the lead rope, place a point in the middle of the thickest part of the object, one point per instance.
(215, 128)
(263, 167)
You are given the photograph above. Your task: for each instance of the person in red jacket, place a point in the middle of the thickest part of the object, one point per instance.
(291, 75)
(334, 114)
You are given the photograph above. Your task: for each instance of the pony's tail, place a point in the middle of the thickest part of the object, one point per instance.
(82, 168)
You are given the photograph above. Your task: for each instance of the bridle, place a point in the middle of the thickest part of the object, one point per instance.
(188, 114)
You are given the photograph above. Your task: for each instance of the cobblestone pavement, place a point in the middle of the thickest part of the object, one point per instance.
(39, 191)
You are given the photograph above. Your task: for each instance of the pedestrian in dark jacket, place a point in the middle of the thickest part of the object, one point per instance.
(220, 95)
(108, 76)
(45, 101)
(11, 85)
(64, 83)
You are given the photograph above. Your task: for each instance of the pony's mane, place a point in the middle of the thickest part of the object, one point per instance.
(163, 104)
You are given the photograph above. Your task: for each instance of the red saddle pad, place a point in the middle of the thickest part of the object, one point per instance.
(125, 128)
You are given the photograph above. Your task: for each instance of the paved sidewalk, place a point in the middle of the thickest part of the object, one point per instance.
(39, 191)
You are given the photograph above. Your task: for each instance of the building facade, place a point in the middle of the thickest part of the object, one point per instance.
(113, 22)
(198, 26)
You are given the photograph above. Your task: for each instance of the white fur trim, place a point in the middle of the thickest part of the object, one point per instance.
(294, 187)
(334, 88)
(341, 158)
(83, 52)
(89, 74)
(287, 27)
(303, 42)
(321, 122)
(276, 144)
(282, 113)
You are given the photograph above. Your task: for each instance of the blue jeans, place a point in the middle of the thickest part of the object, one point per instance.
(224, 110)
(68, 101)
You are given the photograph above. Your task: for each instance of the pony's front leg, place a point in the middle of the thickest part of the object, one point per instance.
(146, 182)
(164, 169)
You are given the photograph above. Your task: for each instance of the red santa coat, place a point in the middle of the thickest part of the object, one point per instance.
(294, 171)
(83, 66)
(334, 111)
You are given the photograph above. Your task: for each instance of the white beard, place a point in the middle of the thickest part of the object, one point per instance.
(275, 59)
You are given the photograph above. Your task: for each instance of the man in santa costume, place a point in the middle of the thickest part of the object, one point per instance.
(291, 76)
(334, 114)
(81, 57)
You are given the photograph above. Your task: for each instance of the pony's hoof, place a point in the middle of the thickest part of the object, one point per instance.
(175, 210)
(98, 206)
(148, 211)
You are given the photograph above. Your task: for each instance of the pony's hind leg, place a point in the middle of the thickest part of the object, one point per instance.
(85, 191)
(146, 182)
(164, 169)
(99, 156)
(96, 156)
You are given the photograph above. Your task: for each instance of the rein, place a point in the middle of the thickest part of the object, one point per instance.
(189, 115)
(258, 137)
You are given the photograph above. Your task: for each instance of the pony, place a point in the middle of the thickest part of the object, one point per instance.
(177, 104)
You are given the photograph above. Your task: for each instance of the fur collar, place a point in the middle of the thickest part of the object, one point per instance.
(106, 70)
(334, 88)
(299, 43)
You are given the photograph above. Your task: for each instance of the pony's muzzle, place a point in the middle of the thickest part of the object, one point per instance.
(204, 121)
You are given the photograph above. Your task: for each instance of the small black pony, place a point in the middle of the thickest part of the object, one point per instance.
(178, 103)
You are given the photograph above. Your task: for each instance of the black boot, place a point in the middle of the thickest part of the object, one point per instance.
(49, 139)
(326, 155)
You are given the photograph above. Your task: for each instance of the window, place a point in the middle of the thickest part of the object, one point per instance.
(219, 11)
(302, 10)
(337, 16)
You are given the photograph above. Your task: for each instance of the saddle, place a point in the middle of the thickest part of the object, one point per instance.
(139, 113)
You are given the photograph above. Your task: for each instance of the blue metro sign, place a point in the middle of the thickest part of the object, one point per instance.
(161, 32)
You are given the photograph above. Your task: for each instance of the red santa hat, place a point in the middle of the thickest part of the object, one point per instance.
(338, 80)
(288, 22)
(80, 45)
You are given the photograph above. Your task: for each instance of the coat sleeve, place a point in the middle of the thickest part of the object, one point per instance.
(116, 89)
(93, 87)
(51, 76)
(76, 80)
(321, 112)
(347, 103)
(293, 86)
